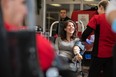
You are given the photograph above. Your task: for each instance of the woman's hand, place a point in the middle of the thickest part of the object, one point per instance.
(79, 57)
(76, 51)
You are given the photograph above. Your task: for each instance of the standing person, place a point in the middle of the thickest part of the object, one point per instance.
(14, 12)
(103, 44)
(65, 43)
(63, 17)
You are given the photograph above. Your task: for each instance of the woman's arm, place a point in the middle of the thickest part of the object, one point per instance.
(78, 50)
(77, 54)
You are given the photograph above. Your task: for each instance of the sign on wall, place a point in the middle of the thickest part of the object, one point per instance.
(84, 18)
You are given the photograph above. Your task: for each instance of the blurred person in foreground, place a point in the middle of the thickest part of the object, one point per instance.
(111, 14)
(104, 41)
(111, 17)
(14, 12)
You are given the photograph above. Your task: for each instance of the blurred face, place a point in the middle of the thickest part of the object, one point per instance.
(63, 13)
(14, 11)
(111, 16)
(19, 11)
(70, 28)
(111, 12)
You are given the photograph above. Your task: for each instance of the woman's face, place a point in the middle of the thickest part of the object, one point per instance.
(70, 28)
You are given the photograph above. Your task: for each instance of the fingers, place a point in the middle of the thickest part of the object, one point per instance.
(79, 57)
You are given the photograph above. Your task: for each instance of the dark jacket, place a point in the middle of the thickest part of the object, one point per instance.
(60, 24)
(64, 19)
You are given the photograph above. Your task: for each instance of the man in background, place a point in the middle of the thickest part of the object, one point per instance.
(63, 17)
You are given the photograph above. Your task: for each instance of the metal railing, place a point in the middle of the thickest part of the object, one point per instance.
(51, 27)
(56, 22)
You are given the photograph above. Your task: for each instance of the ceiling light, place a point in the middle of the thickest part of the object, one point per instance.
(88, 0)
(56, 5)
(94, 4)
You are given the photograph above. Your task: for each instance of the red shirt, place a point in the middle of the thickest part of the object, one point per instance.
(106, 37)
(9, 27)
(45, 51)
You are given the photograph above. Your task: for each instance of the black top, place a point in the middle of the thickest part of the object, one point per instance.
(64, 19)
(60, 24)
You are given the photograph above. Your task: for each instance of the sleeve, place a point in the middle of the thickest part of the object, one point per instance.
(93, 21)
(80, 45)
(86, 33)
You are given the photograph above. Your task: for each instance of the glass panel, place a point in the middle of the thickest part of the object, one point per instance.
(76, 6)
(51, 17)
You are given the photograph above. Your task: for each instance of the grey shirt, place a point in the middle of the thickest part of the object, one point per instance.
(65, 48)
